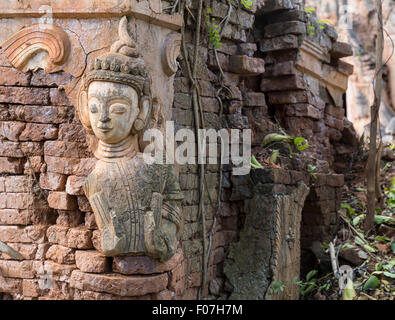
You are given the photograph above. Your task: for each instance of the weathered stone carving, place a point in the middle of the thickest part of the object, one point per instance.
(170, 51)
(28, 42)
(135, 203)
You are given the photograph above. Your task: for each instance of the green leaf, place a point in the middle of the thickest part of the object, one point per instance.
(273, 157)
(372, 283)
(359, 241)
(308, 289)
(311, 274)
(382, 239)
(349, 291)
(348, 245)
(255, 163)
(301, 143)
(380, 219)
(350, 210)
(369, 248)
(389, 274)
(393, 246)
(358, 219)
(275, 137)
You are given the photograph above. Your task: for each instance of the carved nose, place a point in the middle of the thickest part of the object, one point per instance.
(104, 117)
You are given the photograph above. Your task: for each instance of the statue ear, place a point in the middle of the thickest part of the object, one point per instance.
(145, 110)
(82, 109)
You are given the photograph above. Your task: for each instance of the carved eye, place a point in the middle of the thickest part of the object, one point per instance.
(118, 108)
(93, 108)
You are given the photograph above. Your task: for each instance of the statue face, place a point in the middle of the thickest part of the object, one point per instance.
(113, 108)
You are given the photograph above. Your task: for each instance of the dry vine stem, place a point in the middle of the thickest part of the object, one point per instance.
(197, 110)
(198, 118)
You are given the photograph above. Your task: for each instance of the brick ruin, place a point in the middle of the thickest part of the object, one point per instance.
(283, 71)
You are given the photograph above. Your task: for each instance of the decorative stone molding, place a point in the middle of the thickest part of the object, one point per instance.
(148, 10)
(313, 61)
(170, 51)
(28, 42)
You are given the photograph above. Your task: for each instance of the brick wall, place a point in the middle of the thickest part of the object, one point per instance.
(45, 156)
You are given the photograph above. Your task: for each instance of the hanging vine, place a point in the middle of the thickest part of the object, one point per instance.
(215, 32)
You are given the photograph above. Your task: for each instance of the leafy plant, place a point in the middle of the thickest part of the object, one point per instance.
(349, 209)
(247, 3)
(213, 30)
(255, 164)
(349, 291)
(273, 157)
(309, 10)
(299, 142)
(390, 194)
(311, 169)
(372, 283)
(278, 286)
(311, 283)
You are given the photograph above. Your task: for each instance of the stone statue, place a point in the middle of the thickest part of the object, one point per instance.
(135, 203)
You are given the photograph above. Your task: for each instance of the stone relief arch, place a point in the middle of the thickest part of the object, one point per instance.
(28, 42)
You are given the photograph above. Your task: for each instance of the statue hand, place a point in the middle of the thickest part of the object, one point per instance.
(157, 242)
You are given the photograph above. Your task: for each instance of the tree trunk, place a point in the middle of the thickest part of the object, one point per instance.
(371, 169)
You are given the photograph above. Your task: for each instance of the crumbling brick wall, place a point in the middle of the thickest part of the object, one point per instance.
(45, 156)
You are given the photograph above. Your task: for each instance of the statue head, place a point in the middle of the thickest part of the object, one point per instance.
(114, 101)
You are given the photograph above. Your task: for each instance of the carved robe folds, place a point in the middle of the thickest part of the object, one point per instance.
(135, 205)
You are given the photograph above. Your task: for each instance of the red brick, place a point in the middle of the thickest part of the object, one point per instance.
(30, 288)
(16, 200)
(61, 254)
(19, 95)
(254, 99)
(68, 166)
(57, 234)
(35, 164)
(17, 184)
(69, 218)
(74, 185)
(42, 114)
(61, 200)
(42, 79)
(12, 166)
(11, 130)
(13, 216)
(66, 149)
(118, 284)
(79, 238)
(39, 132)
(10, 285)
(32, 148)
(335, 180)
(72, 132)
(90, 221)
(83, 204)
(10, 149)
(13, 77)
(53, 181)
(96, 240)
(59, 97)
(145, 264)
(92, 261)
(283, 83)
(163, 295)
(16, 269)
(28, 251)
(246, 66)
(337, 112)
